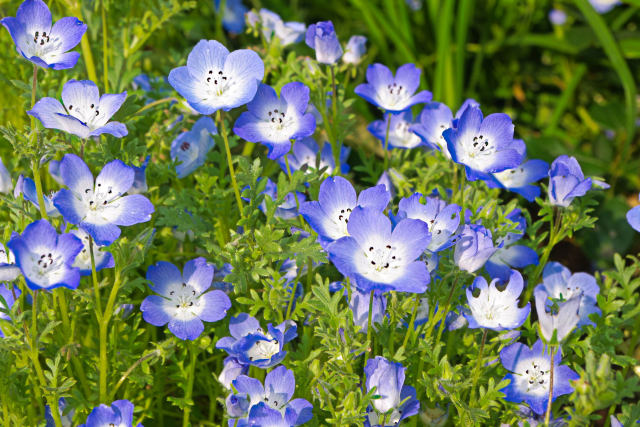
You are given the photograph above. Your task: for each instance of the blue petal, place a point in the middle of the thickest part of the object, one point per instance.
(216, 303)
(186, 329)
(296, 94)
(198, 274)
(69, 32)
(153, 311)
(103, 234)
(76, 174)
(375, 197)
(280, 381)
(633, 217)
(162, 275)
(68, 206)
(242, 325)
(116, 129)
(115, 176)
(134, 209)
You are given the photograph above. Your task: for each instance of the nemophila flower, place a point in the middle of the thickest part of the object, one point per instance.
(329, 216)
(288, 209)
(529, 377)
(9, 271)
(27, 188)
(183, 301)
(232, 15)
(45, 257)
(377, 258)
(509, 255)
(393, 94)
(557, 17)
(190, 148)
(633, 217)
(566, 181)
(561, 318)
(385, 180)
(119, 414)
(394, 398)
(474, 248)
(359, 305)
(39, 41)
(483, 145)
(67, 420)
(85, 113)
(400, 135)
(5, 179)
(215, 79)
(604, 6)
(273, 26)
(356, 48)
(442, 219)
(251, 345)
(494, 308)
(521, 178)
(139, 185)
(99, 207)
(560, 286)
(275, 395)
(9, 295)
(275, 121)
(231, 369)
(305, 155)
(322, 38)
(102, 259)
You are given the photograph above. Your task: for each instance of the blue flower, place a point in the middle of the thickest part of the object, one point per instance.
(275, 122)
(393, 94)
(496, 309)
(400, 134)
(273, 27)
(561, 318)
(474, 248)
(385, 180)
(27, 187)
(231, 370)
(46, 257)
(633, 217)
(85, 113)
(120, 414)
(377, 258)
(233, 15)
(100, 207)
(394, 398)
(508, 255)
(41, 43)
(604, 6)
(442, 219)
(557, 17)
(566, 181)
(190, 148)
(271, 404)
(529, 380)
(251, 345)
(560, 285)
(288, 209)
(9, 296)
(359, 305)
(183, 300)
(483, 145)
(8, 269)
(215, 79)
(103, 259)
(323, 39)
(139, 185)
(337, 198)
(355, 50)
(5, 179)
(304, 155)
(520, 179)
(67, 420)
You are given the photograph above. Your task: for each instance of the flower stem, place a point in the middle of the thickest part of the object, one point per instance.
(103, 362)
(336, 145)
(414, 313)
(105, 51)
(366, 354)
(445, 309)
(554, 231)
(189, 388)
(35, 165)
(94, 277)
(547, 415)
(223, 132)
(476, 371)
(386, 142)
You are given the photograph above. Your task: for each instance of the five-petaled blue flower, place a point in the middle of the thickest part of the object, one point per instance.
(288, 209)
(494, 308)
(633, 217)
(474, 247)
(190, 148)
(119, 414)
(102, 259)
(27, 187)
(273, 27)
(529, 380)
(395, 401)
(275, 122)
(41, 43)
(100, 207)
(323, 39)
(305, 154)
(483, 145)
(9, 271)
(393, 94)
(85, 113)
(355, 50)
(232, 15)
(274, 399)
(215, 79)
(46, 257)
(400, 134)
(251, 345)
(183, 300)
(329, 216)
(377, 258)
(566, 181)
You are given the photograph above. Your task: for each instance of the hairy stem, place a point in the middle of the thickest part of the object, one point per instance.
(232, 173)
(189, 387)
(476, 371)
(386, 142)
(547, 415)
(366, 354)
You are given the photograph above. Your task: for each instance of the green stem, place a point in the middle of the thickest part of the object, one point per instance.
(386, 142)
(154, 104)
(219, 16)
(103, 368)
(547, 415)
(446, 308)
(337, 145)
(223, 132)
(554, 231)
(105, 47)
(35, 167)
(414, 312)
(154, 353)
(189, 388)
(94, 277)
(366, 354)
(476, 371)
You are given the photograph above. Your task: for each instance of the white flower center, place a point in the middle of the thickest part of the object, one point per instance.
(480, 146)
(45, 264)
(534, 376)
(218, 83)
(381, 258)
(184, 301)
(264, 349)
(394, 94)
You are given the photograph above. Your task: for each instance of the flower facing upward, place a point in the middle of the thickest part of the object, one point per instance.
(99, 207)
(190, 148)
(377, 258)
(215, 79)
(119, 414)
(323, 39)
(183, 300)
(41, 43)
(276, 121)
(393, 94)
(529, 377)
(566, 181)
(85, 113)
(46, 257)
